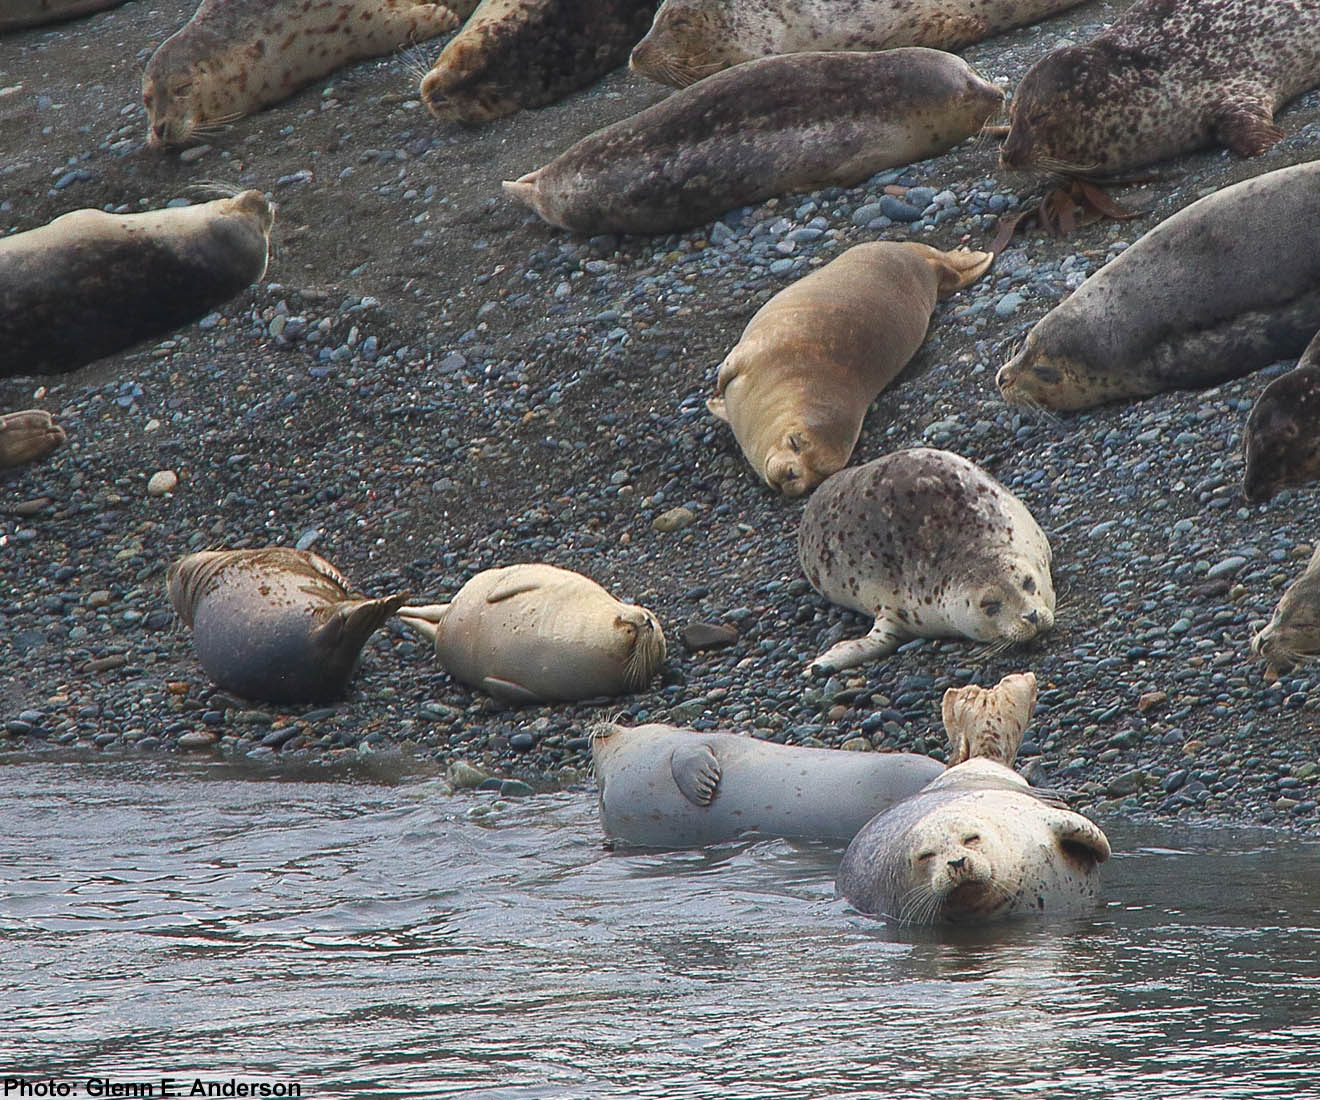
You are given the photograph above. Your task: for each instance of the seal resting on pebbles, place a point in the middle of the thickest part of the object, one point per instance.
(513, 54)
(234, 57)
(1167, 77)
(17, 14)
(813, 358)
(89, 283)
(27, 436)
(768, 127)
(1225, 286)
(933, 547)
(274, 624)
(1282, 440)
(691, 39)
(536, 633)
(1293, 633)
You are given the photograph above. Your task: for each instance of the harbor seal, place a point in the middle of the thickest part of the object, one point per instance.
(768, 127)
(536, 633)
(1225, 286)
(27, 436)
(1282, 440)
(814, 357)
(988, 723)
(1293, 632)
(234, 57)
(274, 624)
(691, 39)
(977, 844)
(130, 276)
(933, 547)
(1167, 77)
(18, 14)
(513, 54)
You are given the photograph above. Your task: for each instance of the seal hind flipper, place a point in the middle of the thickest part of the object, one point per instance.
(1247, 127)
(424, 619)
(881, 641)
(989, 722)
(954, 270)
(352, 622)
(509, 692)
(697, 773)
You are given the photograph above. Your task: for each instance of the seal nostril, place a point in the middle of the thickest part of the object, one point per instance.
(959, 863)
(1033, 618)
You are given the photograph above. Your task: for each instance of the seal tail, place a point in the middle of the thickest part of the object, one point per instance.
(424, 619)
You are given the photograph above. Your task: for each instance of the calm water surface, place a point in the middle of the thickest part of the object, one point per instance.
(389, 940)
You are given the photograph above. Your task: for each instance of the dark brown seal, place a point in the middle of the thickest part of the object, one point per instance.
(767, 127)
(90, 283)
(274, 624)
(1282, 441)
(513, 54)
(17, 14)
(27, 436)
(1168, 77)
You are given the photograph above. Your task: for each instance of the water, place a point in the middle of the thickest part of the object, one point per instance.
(366, 939)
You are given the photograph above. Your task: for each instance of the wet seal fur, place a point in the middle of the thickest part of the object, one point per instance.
(513, 54)
(27, 436)
(18, 14)
(933, 547)
(274, 624)
(1293, 632)
(1282, 440)
(1225, 286)
(89, 283)
(536, 633)
(771, 126)
(236, 56)
(813, 358)
(691, 39)
(1168, 77)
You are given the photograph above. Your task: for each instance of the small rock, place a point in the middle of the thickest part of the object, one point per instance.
(856, 744)
(673, 520)
(1151, 699)
(464, 777)
(162, 482)
(196, 739)
(698, 636)
(1127, 783)
(515, 788)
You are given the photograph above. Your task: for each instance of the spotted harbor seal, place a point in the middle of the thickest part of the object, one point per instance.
(536, 633)
(1167, 77)
(27, 436)
(691, 39)
(771, 126)
(933, 547)
(813, 358)
(1293, 633)
(989, 722)
(236, 56)
(17, 14)
(513, 54)
(1225, 286)
(1282, 440)
(89, 283)
(274, 624)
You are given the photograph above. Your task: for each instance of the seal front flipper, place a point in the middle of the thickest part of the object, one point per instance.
(424, 619)
(512, 585)
(508, 692)
(1247, 127)
(697, 773)
(882, 640)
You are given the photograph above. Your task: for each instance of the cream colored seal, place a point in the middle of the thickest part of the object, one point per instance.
(27, 436)
(17, 14)
(236, 56)
(930, 545)
(814, 357)
(536, 633)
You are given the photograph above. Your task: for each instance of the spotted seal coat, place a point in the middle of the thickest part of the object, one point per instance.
(933, 547)
(17, 14)
(1293, 632)
(27, 436)
(1282, 441)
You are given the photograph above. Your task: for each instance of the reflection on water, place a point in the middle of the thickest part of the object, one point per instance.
(381, 940)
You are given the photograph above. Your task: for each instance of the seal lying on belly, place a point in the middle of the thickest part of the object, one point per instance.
(90, 283)
(536, 633)
(27, 436)
(1293, 633)
(16, 14)
(691, 39)
(1282, 440)
(274, 624)
(1168, 77)
(236, 56)
(933, 547)
(813, 358)
(513, 54)
(1225, 286)
(768, 127)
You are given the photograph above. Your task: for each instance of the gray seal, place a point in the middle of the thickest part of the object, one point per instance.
(1292, 635)
(1282, 441)
(17, 14)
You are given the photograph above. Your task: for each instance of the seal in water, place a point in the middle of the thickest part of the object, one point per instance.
(691, 39)
(933, 547)
(813, 358)
(1293, 633)
(27, 436)
(1225, 286)
(274, 624)
(513, 54)
(18, 14)
(131, 276)
(536, 633)
(779, 124)
(1167, 77)
(1282, 440)
(236, 56)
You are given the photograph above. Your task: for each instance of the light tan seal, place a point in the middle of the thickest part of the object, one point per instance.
(537, 633)
(933, 547)
(236, 56)
(814, 357)
(1281, 445)
(513, 54)
(768, 127)
(989, 722)
(27, 436)
(1292, 635)
(17, 14)
(1167, 77)
(691, 39)
(274, 624)
(1225, 286)
(91, 283)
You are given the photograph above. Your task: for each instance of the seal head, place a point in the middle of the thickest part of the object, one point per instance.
(1293, 633)
(1282, 442)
